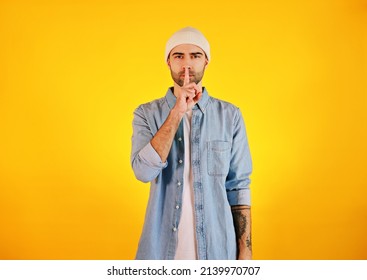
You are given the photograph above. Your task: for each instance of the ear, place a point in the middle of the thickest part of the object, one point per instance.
(206, 63)
(168, 63)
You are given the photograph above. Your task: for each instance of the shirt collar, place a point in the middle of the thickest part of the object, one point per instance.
(203, 102)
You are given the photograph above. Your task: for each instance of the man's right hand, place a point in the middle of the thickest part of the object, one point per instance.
(188, 95)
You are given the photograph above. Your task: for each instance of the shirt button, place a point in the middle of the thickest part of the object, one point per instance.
(180, 161)
(179, 183)
(174, 229)
(180, 139)
(177, 206)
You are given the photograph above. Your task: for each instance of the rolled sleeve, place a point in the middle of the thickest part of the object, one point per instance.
(151, 158)
(239, 197)
(147, 164)
(238, 181)
(145, 161)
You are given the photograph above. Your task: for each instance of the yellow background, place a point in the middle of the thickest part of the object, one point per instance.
(72, 72)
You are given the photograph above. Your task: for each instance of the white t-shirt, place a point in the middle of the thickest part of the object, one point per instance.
(186, 245)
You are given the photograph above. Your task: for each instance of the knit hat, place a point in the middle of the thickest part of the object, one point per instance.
(188, 35)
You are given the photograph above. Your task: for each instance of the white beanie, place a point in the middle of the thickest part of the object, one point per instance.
(188, 35)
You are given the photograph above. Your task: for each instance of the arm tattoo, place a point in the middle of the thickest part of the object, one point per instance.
(248, 242)
(240, 223)
(242, 226)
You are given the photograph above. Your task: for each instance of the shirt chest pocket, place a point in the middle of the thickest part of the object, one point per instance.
(219, 155)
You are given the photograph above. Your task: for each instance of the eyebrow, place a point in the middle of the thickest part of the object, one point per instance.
(193, 53)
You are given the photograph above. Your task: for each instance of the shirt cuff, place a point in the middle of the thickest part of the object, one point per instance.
(151, 157)
(239, 197)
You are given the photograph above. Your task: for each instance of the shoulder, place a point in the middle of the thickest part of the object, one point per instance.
(222, 103)
(152, 106)
(222, 106)
(225, 110)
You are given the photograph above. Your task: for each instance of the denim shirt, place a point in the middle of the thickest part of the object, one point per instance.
(221, 164)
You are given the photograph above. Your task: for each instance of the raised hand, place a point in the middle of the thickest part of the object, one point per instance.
(188, 95)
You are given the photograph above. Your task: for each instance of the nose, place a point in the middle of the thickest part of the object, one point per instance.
(186, 63)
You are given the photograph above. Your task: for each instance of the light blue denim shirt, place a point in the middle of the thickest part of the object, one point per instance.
(221, 164)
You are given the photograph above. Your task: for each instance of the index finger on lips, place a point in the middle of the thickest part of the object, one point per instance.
(187, 76)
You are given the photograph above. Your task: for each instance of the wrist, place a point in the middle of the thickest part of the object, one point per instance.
(245, 255)
(177, 113)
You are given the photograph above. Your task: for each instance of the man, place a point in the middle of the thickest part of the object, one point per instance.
(193, 150)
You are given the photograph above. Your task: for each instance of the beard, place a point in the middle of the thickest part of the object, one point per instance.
(196, 78)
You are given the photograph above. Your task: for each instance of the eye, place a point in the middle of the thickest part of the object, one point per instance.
(178, 56)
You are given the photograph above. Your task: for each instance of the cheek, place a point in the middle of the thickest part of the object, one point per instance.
(201, 65)
(174, 69)
(201, 68)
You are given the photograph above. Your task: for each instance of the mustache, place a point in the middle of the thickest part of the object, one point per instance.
(183, 73)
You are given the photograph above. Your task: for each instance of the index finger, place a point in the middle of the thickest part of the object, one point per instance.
(187, 76)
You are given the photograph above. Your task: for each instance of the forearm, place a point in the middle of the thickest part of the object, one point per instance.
(242, 224)
(162, 140)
